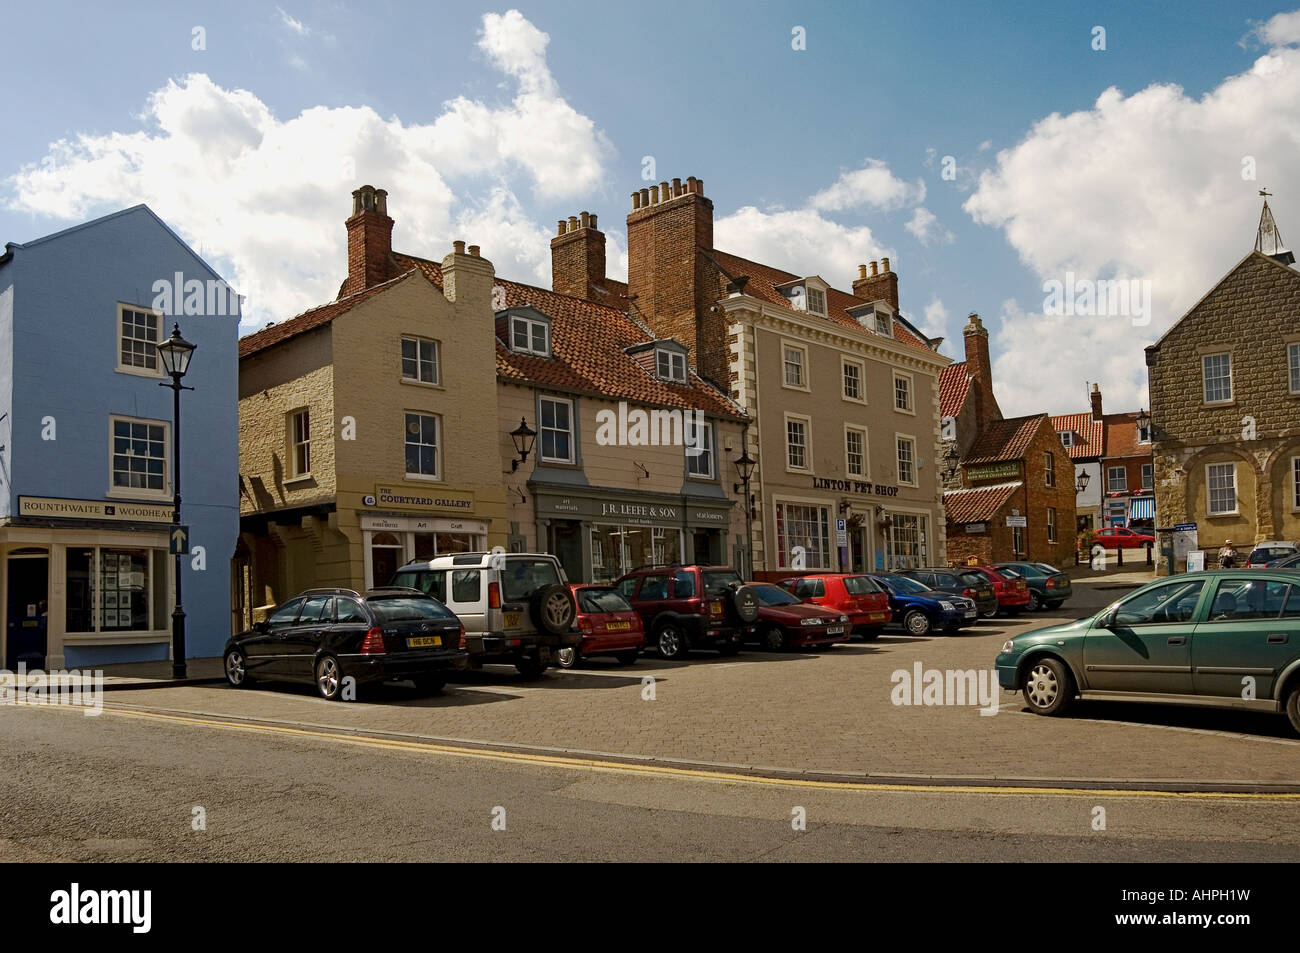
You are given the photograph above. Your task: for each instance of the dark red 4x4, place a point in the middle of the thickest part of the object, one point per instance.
(690, 607)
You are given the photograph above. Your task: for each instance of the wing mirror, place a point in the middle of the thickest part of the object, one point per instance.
(1107, 619)
(262, 627)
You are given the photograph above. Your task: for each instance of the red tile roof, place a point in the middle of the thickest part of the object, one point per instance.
(587, 344)
(978, 504)
(1091, 435)
(314, 318)
(1005, 439)
(763, 282)
(1122, 434)
(954, 383)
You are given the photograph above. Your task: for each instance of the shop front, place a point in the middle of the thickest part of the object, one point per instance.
(598, 535)
(400, 525)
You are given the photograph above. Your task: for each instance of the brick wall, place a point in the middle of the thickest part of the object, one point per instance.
(578, 257)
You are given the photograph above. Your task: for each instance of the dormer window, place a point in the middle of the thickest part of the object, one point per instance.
(816, 300)
(805, 294)
(670, 366)
(1067, 438)
(529, 333)
(883, 323)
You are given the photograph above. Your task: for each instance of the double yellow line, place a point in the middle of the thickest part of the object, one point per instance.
(694, 774)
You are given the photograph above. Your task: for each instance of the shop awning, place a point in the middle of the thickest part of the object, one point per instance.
(1143, 508)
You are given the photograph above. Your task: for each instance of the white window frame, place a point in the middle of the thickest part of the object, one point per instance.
(530, 323)
(439, 438)
(888, 319)
(291, 437)
(572, 431)
(1295, 484)
(157, 370)
(1205, 379)
(898, 460)
(1209, 490)
(1049, 468)
(1123, 477)
(1051, 524)
(1067, 438)
(806, 422)
(707, 455)
(824, 517)
(1148, 471)
(865, 472)
(804, 376)
(420, 362)
(808, 291)
(911, 393)
(674, 359)
(1293, 368)
(861, 367)
(137, 493)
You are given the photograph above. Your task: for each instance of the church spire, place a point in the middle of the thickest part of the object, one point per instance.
(1268, 240)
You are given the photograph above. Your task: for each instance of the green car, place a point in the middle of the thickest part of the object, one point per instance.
(1221, 639)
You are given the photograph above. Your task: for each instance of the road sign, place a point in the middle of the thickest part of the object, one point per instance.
(841, 531)
(180, 540)
(1021, 521)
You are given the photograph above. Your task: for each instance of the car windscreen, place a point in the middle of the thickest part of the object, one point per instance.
(906, 584)
(860, 585)
(718, 582)
(602, 600)
(523, 577)
(408, 609)
(770, 595)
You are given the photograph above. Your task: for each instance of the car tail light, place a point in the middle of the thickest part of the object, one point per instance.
(584, 625)
(1050, 584)
(462, 636)
(968, 593)
(373, 644)
(703, 608)
(494, 595)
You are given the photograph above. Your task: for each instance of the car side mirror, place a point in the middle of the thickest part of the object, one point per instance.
(262, 627)
(1107, 620)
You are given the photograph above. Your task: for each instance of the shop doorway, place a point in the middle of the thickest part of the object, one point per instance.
(385, 558)
(706, 547)
(28, 618)
(858, 550)
(566, 546)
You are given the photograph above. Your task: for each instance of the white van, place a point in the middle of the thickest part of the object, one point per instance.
(517, 608)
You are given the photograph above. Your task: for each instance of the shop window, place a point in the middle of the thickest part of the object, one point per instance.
(109, 590)
(807, 527)
(905, 541)
(385, 558)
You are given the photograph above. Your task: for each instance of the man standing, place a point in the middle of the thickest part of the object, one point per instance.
(1227, 556)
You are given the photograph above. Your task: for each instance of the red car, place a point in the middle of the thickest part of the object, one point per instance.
(607, 624)
(865, 602)
(1009, 586)
(1117, 537)
(785, 623)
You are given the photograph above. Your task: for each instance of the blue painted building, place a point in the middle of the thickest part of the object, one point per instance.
(86, 466)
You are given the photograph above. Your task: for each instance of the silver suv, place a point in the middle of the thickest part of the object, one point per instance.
(516, 607)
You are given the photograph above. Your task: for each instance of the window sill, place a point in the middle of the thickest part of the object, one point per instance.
(427, 384)
(301, 480)
(904, 410)
(1217, 404)
(799, 387)
(545, 461)
(424, 478)
(853, 400)
(139, 496)
(157, 375)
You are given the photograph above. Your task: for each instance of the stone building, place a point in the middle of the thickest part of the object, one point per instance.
(1225, 405)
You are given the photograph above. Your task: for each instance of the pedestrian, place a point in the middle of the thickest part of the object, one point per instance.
(1227, 556)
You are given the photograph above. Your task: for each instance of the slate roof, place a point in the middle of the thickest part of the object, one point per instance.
(978, 504)
(1005, 439)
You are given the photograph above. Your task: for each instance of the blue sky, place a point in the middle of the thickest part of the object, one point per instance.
(489, 125)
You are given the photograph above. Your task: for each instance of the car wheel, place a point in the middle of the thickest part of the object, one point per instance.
(530, 667)
(627, 658)
(916, 622)
(1049, 687)
(1035, 601)
(553, 610)
(670, 641)
(744, 604)
(569, 657)
(430, 684)
(775, 639)
(871, 634)
(237, 669)
(329, 678)
(1293, 706)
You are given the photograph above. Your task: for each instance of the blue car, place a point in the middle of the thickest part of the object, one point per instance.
(920, 610)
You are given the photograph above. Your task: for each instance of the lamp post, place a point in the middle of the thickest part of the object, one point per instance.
(952, 460)
(1081, 481)
(523, 437)
(175, 354)
(745, 469)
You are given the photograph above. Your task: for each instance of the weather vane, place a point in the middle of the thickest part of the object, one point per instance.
(1266, 193)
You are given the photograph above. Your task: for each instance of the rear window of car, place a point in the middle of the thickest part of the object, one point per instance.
(430, 583)
(348, 610)
(523, 578)
(809, 588)
(1050, 570)
(717, 582)
(408, 609)
(1008, 572)
(770, 595)
(905, 584)
(975, 579)
(1271, 552)
(860, 585)
(602, 600)
(683, 584)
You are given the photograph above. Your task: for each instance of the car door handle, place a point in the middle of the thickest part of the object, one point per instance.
(1177, 640)
(1277, 637)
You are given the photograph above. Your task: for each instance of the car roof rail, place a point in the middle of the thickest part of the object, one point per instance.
(331, 591)
(392, 590)
(657, 566)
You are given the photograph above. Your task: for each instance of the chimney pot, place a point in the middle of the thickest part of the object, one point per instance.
(559, 227)
(636, 201)
(873, 269)
(664, 194)
(884, 265)
(459, 247)
(573, 223)
(474, 251)
(862, 271)
(585, 218)
(645, 197)
(593, 219)
(677, 187)
(699, 186)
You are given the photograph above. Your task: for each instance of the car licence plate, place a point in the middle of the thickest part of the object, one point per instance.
(512, 620)
(425, 642)
(716, 607)
(618, 626)
(835, 630)
(971, 613)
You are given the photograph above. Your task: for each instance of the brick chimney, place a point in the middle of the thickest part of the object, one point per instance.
(578, 257)
(673, 285)
(1096, 402)
(880, 285)
(980, 370)
(370, 241)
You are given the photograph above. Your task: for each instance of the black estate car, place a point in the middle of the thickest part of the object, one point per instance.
(326, 636)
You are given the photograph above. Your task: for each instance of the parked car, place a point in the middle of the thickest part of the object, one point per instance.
(1196, 639)
(1010, 588)
(328, 636)
(607, 625)
(961, 582)
(517, 607)
(1265, 555)
(1119, 537)
(920, 610)
(1290, 562)
(865, 601)
(785, 622)
(691, 607)
(1048, 586)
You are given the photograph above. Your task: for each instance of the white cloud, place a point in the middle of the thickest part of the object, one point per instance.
(1147, 186)
(295, 26)
(266, 197)
(935, 321)
(1283, 29)
(801, 241)
(872, 186)
(925, 228)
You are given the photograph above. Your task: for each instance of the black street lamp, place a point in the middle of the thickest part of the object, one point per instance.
(523, 437)
(1081, 481)
(745, 469)
(175, 353)
(1144, 424)
(951, 458)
